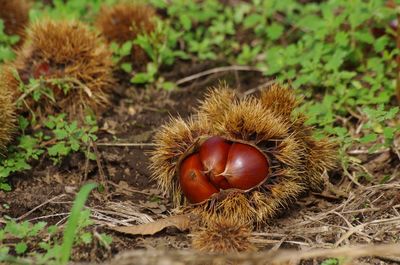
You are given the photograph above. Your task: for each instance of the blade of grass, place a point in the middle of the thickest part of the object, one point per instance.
(72, 224)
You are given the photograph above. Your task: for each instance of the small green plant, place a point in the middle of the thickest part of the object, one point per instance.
(376, 126)
(121, 51)
(28, 243)
(160, 45)
(6, 43)
(62, 139)
(69, 137)
(334, 261)
(72, 9)
(19, 157)
(330, 262)
(55, 137)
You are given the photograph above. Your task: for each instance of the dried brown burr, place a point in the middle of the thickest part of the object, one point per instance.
(67, 51)
(15, 15)
(223, 236)
(124, 22)
(7, 116)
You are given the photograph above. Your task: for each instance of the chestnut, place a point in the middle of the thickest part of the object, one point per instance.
(246, 167)
(43, 69)
(213, 155)
(221, 164)
(194, 183)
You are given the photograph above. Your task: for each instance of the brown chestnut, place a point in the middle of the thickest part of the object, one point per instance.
(246, 167)
(221, 164)
(213, 154)
(194, 183)
(42, 69)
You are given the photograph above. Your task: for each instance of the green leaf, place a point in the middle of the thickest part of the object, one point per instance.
(52, 229)
(86, 238)
(27, 142)
(127, 67)
(44, 245)
(37, 228)
(336, 60)
(140, 78)
(21, 247)
(5, 186)
(126, 48)
(275, 31)
(330, 262)
(168, 86)
(23, 123)
(60, 134)
(185, 21)
(380, 44)
(92, 156)
(389, 132)
(364, 37)
(75, 146)
(4, 252)
(59, 149)
(105, 240)
(251, 20)
(342, 38)
(368, 138)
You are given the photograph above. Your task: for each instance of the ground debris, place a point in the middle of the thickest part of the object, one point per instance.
(280, 257)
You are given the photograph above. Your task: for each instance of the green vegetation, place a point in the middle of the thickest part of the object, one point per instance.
(6, 42)
(330, 262)
(39, 243)
(57, 139)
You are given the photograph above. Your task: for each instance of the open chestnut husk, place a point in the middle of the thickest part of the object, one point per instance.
(242, 158)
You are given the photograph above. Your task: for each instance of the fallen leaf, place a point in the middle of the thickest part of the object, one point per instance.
(182, 222)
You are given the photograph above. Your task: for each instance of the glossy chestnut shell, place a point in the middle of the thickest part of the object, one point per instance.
(192, 178)
(221, 164)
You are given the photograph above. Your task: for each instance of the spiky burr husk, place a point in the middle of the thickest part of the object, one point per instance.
(7, 116)
(15, 15)
(297, 160)
(73, 54)
(223, 236)
(124, 22)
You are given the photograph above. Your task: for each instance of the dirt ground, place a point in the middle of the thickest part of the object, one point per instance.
(130, 196)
